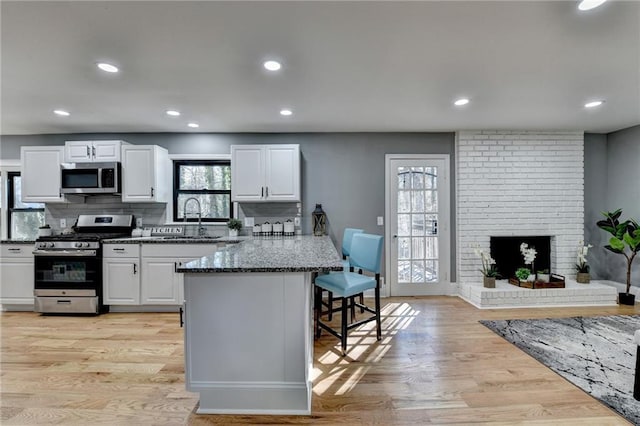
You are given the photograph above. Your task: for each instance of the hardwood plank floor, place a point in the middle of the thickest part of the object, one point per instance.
(435, 365)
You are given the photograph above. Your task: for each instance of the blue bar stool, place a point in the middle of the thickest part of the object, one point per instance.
(347, 237)
(365, 255)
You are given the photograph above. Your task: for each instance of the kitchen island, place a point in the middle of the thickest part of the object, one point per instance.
(248, 324)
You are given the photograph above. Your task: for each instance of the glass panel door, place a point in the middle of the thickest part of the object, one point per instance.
(419, 226)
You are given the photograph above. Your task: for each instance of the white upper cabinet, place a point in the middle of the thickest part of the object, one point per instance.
(92, 151)
(265, 173)
(40, 174)
(146, 174)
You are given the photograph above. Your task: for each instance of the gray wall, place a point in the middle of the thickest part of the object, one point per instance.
(623, 191)
(595, 194)
(342, 171)
(612, 181)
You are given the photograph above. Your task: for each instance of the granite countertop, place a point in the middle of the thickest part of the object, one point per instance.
(17, 242)
(169, 240)
(290, 254)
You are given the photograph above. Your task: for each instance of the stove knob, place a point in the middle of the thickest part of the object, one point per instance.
(87, 244)
(50, 245)
(77, 245)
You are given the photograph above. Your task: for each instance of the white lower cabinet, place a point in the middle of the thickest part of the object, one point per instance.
(121, 274)
(145, 275)
(16, 275)
(122, 281)
(161, 284)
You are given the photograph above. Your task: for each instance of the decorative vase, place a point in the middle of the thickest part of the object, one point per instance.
(627, 299)
(489, 282)
(233, 232)
(583, 277)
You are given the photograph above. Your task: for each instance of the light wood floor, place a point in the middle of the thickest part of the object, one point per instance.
(435, 365)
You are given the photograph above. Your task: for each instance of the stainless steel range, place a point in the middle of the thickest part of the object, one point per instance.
(68, 268)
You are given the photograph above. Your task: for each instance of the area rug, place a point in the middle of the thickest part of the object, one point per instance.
(596, 354)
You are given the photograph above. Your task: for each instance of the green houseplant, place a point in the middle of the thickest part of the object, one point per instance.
(625, 240)
(234, 225)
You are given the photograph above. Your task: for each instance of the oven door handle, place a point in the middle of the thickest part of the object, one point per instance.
(66, 253)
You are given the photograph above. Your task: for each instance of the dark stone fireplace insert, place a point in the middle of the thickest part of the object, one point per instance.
(506, 252)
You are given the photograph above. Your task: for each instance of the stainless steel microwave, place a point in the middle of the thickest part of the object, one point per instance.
(91, 178)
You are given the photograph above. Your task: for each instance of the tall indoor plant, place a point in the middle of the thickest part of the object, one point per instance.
(625, 240)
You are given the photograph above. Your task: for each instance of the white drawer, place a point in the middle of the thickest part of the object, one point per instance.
(17, 250)
(191, 251)
(121, 250)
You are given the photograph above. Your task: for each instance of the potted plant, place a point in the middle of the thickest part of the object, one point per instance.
(582, 275)
(489, 270)
(234, 225)
(529, 254)
(523, 274)
(543, 276)
(625, 240)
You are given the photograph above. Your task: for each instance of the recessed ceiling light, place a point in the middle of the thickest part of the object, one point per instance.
(461, 101)
(593, 104)
(286, 112)
(107, 67)
(194, 125)
(173, 112)
(61, 112)
(590, 4)
(272, 65)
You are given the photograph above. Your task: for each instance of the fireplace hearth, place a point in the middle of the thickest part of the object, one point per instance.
(506, 252)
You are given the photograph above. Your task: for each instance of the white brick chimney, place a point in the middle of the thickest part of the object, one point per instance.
(519, 183)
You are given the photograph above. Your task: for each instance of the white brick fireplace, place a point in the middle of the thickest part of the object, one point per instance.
(518, 183)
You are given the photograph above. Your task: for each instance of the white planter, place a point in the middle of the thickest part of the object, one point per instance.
(233, 232)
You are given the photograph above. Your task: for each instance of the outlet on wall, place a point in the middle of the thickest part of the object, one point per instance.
(296, 221)
(63, 223)
(380, 220)
(139, 222)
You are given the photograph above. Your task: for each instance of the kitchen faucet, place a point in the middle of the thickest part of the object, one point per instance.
(184, 214)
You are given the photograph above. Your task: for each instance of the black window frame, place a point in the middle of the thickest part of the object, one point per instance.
(177, 191)
(11, 202)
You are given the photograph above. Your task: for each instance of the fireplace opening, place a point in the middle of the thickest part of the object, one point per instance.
(506, 252)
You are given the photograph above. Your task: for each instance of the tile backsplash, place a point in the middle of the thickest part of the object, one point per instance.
(156, 213)
(151, 213)
(268, 212)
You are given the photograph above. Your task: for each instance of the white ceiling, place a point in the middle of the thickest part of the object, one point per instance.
(347, 66)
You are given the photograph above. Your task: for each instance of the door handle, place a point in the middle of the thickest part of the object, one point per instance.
(135, 269)
(181, 320)
(262, 194)
(88, 152)
(152, 191)
(395, 236)
(267, 191)
(93, 151)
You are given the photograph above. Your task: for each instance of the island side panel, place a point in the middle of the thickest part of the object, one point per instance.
(247, 345)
